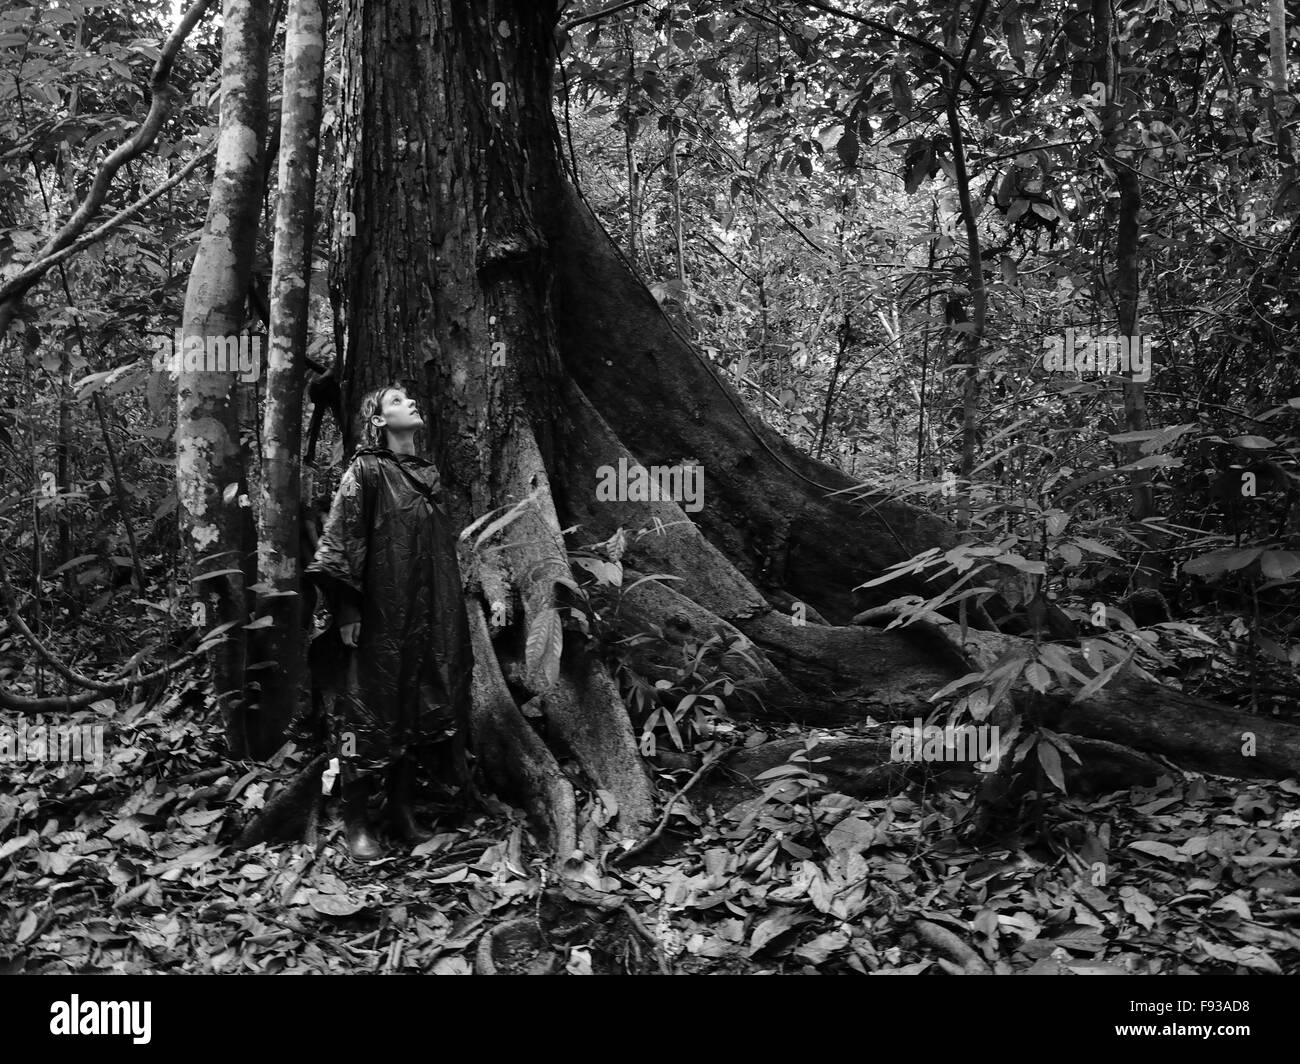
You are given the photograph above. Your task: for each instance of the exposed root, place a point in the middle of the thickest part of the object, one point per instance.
(512, 754)
(587, 715)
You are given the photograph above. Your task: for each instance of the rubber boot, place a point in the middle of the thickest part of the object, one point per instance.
(401, 813)
(362, 843)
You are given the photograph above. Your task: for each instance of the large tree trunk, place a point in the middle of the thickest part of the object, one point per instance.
(478, 276)
(452, 156)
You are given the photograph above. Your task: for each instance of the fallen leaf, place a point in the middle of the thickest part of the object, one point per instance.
(334, 904)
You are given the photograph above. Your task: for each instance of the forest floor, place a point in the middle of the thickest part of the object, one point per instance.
(125, 867)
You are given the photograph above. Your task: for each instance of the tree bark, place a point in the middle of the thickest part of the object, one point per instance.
(279, 566)
(974, 339)
(450, 153)
(209, 461)
(1279, 83)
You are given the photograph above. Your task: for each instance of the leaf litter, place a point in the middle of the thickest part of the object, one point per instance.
(128, 867)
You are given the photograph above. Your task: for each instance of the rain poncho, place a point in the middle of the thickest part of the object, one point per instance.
(387, 558)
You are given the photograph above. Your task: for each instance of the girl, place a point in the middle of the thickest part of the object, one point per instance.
(388, 568)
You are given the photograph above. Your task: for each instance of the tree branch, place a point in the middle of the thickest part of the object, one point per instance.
(29, 275)
(902, 35)
(595, 16)
(164, 98)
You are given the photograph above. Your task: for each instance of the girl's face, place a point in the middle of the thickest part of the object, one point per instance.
(398, 412)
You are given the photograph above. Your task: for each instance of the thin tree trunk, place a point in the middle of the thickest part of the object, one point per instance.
(38, 490)
(119, 491)
(925, 343)
(65, 465)
(1280, 84)
(279, 566)
(1127, 265)
(209, 461)
(828, 407)
(674, 178)
(974, 339)
(629, 143)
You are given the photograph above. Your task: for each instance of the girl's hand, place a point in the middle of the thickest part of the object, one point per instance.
(350, 633)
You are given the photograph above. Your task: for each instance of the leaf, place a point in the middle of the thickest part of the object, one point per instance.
(1152, 461)
(1071, 554)
(1134, 437)
(773, 927)
(73, 563)
(1254, 957)
(850, 835)
(1095, 547)
(451, 965)
(1153, 440)
(957, 685)
(542, 652)
(1157, 849)
(1099, 681)
(197, 856)
(1139, 906)
(1239, 559)
(1050, 758)
(1038, 677)
(782, 770)
(1208, 564)
(901, 90)
(609, 573)
(652, 576)
(213, 574)
(1253, 443)
(1217, 952)
(1279, 564)
(919, 168)
(513, 514)
(847, 148)
(334, 904)
(28, 927)
(14, 845)
(816, 951)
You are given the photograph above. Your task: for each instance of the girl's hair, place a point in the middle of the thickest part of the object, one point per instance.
(372, 403)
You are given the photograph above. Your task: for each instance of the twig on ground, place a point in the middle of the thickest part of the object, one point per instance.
(653, 837)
